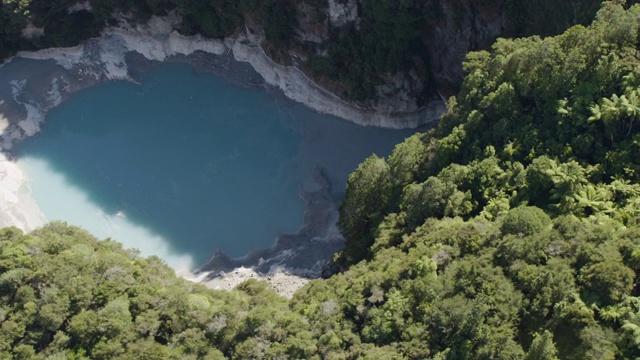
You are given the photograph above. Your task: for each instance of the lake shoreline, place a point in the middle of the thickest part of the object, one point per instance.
(112, 57)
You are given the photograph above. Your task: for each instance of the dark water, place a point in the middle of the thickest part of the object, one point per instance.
(185, 163)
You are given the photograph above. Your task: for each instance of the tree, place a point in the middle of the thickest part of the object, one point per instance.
(542, 347)
(609, 281)
(367, 195)
(524, 221)
(409, 160)
(433, 198)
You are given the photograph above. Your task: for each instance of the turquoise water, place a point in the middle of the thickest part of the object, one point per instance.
(183, 163)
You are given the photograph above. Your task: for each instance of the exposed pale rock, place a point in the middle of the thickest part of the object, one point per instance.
(311, 27)
(282, 281)
(31, 124)
(4, 124)
(80, 6)
(54, 96)
(299, 87)
(65, 57)
(342, 12)
(31, 31)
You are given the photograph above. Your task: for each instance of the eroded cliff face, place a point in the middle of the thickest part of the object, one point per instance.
(463, 26)
(389, 58)
(472, 25)
(449, 29)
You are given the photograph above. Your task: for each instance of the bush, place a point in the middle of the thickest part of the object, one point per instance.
(525, 220)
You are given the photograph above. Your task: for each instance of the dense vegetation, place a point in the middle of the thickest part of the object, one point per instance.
(65, 295)
(533, 175)
(511, 231)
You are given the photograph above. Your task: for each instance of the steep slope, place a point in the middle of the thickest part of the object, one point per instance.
(393, 58)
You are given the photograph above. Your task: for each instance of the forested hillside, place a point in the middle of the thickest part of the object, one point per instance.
(512, 231)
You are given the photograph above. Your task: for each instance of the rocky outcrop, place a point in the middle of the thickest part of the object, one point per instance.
(450, 30)
(342, 12)
(297, 86)
(461, 28)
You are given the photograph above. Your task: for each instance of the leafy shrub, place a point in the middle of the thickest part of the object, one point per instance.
(525, 220)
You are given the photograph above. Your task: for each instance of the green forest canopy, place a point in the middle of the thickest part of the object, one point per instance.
(511, 231)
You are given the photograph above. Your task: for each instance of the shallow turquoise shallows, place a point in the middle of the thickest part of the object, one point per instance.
(185, 163)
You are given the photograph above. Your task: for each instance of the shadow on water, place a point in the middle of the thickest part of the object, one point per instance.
(201, 163)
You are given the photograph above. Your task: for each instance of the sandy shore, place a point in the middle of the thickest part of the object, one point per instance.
(17, 207)
(26, 95)
(281, 280)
